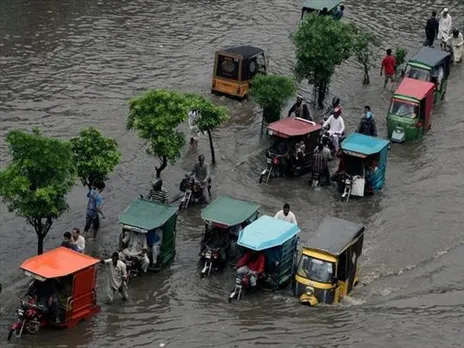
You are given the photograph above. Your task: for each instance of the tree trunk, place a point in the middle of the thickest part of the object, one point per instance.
(322, 88)
(164, 163)
(211, 146)
(40, 241)
(366, 80)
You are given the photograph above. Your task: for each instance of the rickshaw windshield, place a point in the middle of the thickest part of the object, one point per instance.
(417, 73)
(316, 269)
(228, 67)
(403, 108)
(280, 146)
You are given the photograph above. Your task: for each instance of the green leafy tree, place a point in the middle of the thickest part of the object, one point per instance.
(95, 156)
(155, 116)
(400, 58)
(210, 117)
(35, 183)
(322, 43)
(272, 92)
(365, 45)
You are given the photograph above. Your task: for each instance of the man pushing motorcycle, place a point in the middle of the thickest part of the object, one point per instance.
(202, 175)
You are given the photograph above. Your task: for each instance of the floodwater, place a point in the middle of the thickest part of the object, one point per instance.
(69, 64)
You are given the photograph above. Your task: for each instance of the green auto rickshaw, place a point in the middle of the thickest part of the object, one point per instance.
(431, 65)
(148, 235)
(316, 6)
(410, 112)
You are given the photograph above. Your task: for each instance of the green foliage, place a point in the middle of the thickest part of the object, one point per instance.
(272, 91)
(365, 46)
(155, 116)
(400, 56)
(35, 183)
(95, 156)
(211, 115)
(322, 43)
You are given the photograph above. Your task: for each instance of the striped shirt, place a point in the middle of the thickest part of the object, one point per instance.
(159, 196)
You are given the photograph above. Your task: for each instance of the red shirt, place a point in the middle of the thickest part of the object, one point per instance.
(389, 63)
(256, 265)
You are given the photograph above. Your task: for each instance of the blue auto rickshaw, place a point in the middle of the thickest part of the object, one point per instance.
(277, 241)
(362, 167)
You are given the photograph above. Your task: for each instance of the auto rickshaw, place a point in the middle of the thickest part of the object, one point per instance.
(431, 65)
(362, 166)
(409, 115)
(316, 6)
(273, 241)
(235, 67)
(328, 267)
(224, 218)
(148, 235)
(294, 141)
(61, 294)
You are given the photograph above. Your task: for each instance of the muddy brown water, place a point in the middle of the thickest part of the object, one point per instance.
(69, 64)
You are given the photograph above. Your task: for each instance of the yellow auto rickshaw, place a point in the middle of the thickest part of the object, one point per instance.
(235, 67)
(328, 268)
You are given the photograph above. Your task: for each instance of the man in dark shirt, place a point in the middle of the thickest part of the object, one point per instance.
(300, 109)
(431, 30)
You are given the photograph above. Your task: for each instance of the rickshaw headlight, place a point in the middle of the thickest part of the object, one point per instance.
(309, 290)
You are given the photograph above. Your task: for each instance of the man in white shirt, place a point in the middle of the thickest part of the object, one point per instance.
(336, 126)
(286, 214)
(117, 277)
(78, 239)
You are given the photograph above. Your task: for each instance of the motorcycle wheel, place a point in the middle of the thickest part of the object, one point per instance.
(10, 334)
(261, 178)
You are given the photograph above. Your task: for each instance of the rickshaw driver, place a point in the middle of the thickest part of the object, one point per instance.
(202, 175)
(300, 109)
(336, 127)
(251, 264)
(219, 240)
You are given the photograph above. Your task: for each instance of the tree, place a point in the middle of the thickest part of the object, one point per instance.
(400, 58)
(95, 156)
(155, 116)
(35, 183)
(322, 43)
(365, 46)
(272, 92)
(210, 117)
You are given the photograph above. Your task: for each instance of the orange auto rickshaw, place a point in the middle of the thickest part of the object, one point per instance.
(61, 294)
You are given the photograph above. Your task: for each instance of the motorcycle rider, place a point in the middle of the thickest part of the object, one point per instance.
(456, 42)
(251, 264)
(202, 175)
(300, 109)
(444, 28)
(367, 123)
(336, 127)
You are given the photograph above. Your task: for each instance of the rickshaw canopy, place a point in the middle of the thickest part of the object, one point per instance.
(291, 127)
(430, 56)
(364, 144)
(146, 215)
(334, 235)
(59, 262)
(244, 52)
(318, 5)
(229, 211)
(267, 232)
(416, 89)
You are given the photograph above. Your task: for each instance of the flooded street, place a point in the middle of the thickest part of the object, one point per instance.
(68, 64)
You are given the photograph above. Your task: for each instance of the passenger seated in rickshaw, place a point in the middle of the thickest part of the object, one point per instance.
(251, 264)
(300, 151)
(136, 246)
(279, 148)
(154, 242)
(370, 169)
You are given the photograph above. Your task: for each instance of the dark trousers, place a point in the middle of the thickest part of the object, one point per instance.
(92, 220)
(429, 41)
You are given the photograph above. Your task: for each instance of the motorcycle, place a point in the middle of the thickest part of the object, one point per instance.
(347, 180)
(29, 319)
(273, 162)
(193, 191)
(327, 139)
(211, 258)
(241, 283)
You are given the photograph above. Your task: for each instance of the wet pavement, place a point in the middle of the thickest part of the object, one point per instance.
(69, 64)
